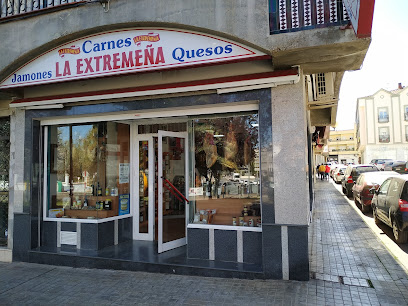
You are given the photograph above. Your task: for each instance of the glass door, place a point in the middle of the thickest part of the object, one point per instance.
(144, 219)
(172, 187)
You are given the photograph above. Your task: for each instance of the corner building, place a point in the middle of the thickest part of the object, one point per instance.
(168, 136)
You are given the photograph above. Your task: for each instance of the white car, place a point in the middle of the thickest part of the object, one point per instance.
(339, 173)
(333, 169)
(380, 163)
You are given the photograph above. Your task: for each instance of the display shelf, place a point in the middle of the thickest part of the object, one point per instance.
(84, 214)
(99, 214)
(226, 209)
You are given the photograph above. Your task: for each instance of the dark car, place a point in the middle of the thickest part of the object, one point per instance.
(366, 181)
(390, 205)
(390, 165)
(351, 174)
(400, 167)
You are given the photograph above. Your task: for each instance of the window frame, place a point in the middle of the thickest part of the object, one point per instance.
(387, 116)
(388, 138)
(45, 183)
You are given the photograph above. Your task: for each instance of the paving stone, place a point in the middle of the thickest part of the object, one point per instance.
(343, 254)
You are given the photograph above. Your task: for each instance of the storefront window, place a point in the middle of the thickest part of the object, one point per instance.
(88, 171)
(226, 187)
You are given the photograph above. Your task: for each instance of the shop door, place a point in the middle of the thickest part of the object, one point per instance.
(172, 187)
(144, 224)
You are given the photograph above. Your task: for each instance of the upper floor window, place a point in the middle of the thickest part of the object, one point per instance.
(406, 112)
(383, 114)
(384, 134)
(406, 133)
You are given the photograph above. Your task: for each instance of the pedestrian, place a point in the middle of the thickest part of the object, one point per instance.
(327, 171)
(322, 171)
(317, 171)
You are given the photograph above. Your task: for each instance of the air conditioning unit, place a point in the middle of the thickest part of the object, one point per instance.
(323, 85)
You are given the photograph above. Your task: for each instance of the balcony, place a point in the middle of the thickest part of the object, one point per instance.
(297, 15)
(384, 138)
(16, 8)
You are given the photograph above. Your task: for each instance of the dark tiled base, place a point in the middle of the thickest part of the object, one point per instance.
(143, 256)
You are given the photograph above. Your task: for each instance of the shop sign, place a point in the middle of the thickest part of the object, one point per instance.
(124, 173)
(127, 51)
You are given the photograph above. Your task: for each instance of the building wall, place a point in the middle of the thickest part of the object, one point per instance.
(289, 154)
(244, 21)
(342, 146)
(369, 112)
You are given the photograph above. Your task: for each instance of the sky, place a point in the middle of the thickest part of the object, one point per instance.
(386, 62)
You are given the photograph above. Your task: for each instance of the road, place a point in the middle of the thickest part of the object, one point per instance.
(382, 231)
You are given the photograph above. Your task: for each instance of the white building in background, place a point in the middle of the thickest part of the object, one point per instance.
(382, 125)
(342, 146)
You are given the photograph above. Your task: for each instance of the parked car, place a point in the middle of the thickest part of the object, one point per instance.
(351, 174)
(333, 168)
(380, 162)
(366, 182)
(390, 206)
(400, 167)
(388, 166)
(339, 173)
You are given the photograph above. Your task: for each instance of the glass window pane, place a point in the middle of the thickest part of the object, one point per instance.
(84, 167)
(143, 186)
(174, 205)
(384, 134)
(226, 186)
(383, 114)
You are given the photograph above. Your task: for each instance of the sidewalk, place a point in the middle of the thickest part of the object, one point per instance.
(348, 264)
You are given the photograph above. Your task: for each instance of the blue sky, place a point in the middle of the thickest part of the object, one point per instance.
(386, 62)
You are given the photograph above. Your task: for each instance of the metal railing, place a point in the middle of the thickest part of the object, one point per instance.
(17, 7)
(297, 15)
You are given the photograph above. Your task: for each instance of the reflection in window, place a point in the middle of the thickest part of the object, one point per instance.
(406, 112)
(88, 170)
(383, 114)
(226, 187)
(384, 134)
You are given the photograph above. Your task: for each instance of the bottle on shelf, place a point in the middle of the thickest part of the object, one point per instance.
(85, 202)
(99, 190)
(107, 191)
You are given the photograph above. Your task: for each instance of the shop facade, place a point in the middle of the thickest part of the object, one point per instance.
(160, 147)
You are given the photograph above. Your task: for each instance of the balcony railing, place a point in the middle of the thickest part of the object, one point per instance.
(297, 15)
(10, 8)
(384, 139)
